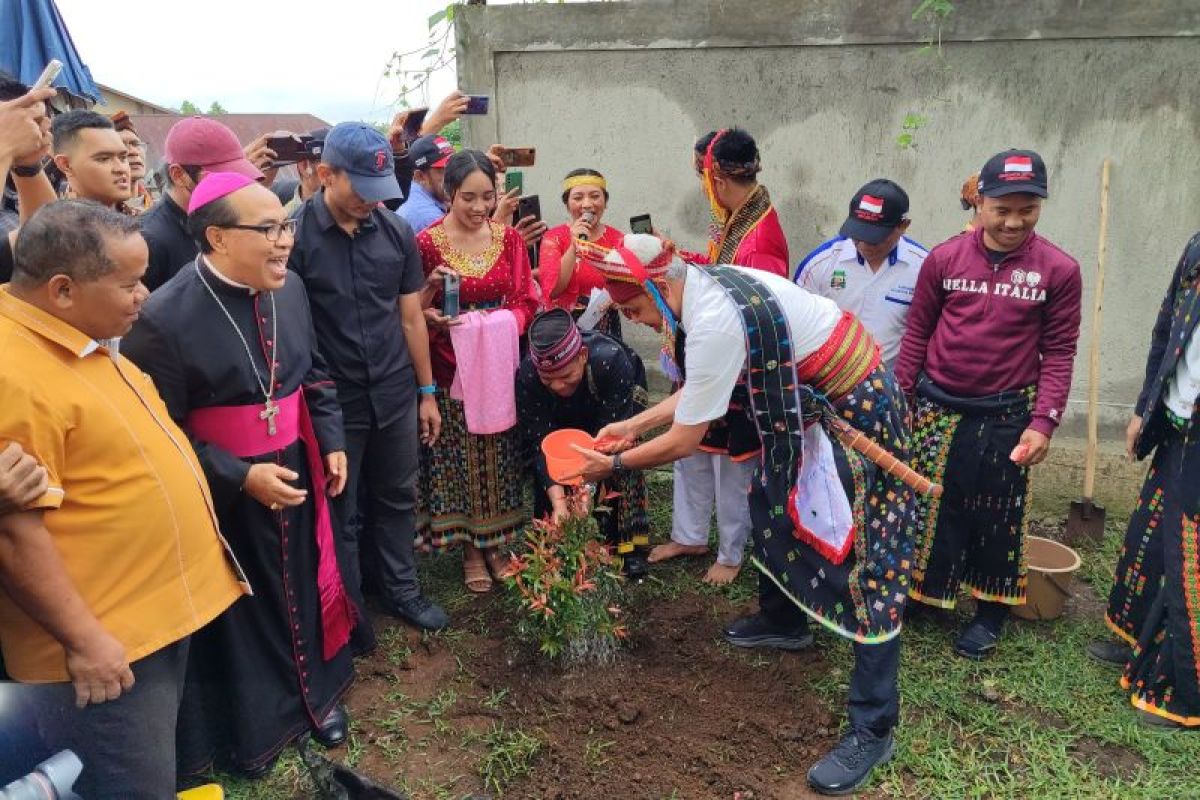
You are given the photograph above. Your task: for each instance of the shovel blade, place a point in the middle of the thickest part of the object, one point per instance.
(1085, 521)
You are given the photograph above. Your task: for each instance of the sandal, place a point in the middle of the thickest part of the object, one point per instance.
(476, 577)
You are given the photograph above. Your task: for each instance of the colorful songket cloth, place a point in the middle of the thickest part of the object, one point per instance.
(854, 579)
(471, 487)
(974, 534)
(1157, 595)
(1163, 677)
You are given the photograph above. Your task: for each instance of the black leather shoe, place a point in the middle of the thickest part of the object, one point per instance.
(848, 766)
(334, 728)
(1110, 653)
(977, 642)
(421, 612)
(757, 630)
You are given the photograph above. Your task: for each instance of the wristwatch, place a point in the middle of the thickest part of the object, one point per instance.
(429, 388)
(26, 170)
(618, 466)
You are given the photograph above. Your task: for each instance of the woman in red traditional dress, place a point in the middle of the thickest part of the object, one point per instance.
(567, 282)
(470, 491)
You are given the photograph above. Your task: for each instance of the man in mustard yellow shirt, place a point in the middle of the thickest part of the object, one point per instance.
(104, 577)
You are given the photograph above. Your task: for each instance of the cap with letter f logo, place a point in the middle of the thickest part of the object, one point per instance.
(365, 155)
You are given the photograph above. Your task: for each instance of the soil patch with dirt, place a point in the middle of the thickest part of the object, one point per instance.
(679, 714)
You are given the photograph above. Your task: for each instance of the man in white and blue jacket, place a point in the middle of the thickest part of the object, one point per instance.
(870, 269)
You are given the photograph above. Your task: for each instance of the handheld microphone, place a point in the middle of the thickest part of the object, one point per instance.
(589, 218)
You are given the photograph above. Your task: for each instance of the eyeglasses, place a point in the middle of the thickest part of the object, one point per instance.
(271, 230)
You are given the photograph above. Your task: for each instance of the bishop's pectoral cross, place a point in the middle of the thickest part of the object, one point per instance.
(268, 414)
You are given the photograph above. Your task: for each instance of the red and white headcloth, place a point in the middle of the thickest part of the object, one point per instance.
(625, 272)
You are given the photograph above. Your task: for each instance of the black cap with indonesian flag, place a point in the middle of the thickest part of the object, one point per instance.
(1013, 172)
(875, 211)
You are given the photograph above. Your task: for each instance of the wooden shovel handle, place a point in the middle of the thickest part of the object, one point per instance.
(853, 438)
(1093, 399)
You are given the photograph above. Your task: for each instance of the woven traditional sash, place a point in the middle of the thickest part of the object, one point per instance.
(780, 402)
(843, 362)
(744, 220)
(770, 372)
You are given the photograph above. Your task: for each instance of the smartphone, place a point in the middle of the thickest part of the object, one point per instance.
(640, 224)
(515, 179)
(290, 149)
(518, 156)
(529, 206)
(450, 284)
(48, 74)
(477, 104)
(412, 124)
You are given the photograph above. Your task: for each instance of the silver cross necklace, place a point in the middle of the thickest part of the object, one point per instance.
(270, 407)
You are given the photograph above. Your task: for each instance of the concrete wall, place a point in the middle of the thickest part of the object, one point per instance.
(824, 86)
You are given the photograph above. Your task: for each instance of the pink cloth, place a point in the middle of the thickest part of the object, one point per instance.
(488, 353)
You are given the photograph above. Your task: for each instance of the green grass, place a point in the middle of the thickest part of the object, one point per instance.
(508, 754)
(1040, 719)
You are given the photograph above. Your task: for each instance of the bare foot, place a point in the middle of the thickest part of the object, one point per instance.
(720, 575)
(665, 552)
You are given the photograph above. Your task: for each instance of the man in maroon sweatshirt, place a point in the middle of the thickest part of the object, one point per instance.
(987, 355)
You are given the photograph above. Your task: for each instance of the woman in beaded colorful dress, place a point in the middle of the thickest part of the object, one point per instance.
(471, 486)
(567, 281)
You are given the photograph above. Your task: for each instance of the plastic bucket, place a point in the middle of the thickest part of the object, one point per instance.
(1052, 567)
(561, 459)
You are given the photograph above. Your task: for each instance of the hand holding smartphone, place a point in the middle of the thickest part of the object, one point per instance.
(514, 179)
(48, 74)
(518, 156)
(477, 104)
(641, 224)
(450, 294)
(529, 206)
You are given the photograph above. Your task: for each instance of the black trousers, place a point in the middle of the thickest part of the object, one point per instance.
(874, 701)
(127, 746)
(384, 462)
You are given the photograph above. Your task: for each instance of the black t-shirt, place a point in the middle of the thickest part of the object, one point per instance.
(354, 284)
(164, 228)
(996, 256)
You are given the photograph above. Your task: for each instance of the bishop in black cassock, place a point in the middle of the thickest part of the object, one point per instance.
(275, 665)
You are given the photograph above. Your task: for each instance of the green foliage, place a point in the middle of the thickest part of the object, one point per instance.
(908, 129)
(935, 13)
(563, 589)
(453, 134)
(189, 108)
(216, 108)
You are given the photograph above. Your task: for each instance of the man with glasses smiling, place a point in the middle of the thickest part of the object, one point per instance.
(230, 346)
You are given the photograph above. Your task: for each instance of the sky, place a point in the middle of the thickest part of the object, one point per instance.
(324, 58)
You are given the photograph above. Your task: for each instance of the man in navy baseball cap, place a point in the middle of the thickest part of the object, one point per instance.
(365, 156)
(359, 261)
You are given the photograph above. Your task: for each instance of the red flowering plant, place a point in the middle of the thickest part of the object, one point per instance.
(563, 586)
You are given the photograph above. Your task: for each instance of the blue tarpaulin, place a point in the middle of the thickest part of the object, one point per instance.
(31, 33)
